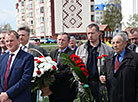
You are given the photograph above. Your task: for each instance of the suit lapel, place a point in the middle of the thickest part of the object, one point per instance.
(15, 62)
(111, 66)
(4, 66)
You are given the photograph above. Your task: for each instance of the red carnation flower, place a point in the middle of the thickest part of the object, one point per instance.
(74, 56)
(40, 56)
(54, 59)
(99, 57)
(81, 65)
(35, 59)
(73, 59)
(85, 73)
(54, 67)
(104, 55)
(82, 68)
(38, 72)
(38, 62)
(79, 61)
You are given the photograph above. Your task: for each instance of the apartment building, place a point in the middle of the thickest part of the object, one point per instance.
(99, 10)
(47, 18)
(32, 13)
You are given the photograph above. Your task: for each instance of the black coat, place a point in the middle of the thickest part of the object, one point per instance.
(62, 89)
(123, 85)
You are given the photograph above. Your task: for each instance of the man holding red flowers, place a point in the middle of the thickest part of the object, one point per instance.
(121, 71)
(89, 52)
(62, 90)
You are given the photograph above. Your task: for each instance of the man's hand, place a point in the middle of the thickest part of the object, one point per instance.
(4, 97)
(102, 78)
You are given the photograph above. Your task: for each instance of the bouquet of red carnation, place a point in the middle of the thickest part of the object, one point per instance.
(80, 74)
(43, 76)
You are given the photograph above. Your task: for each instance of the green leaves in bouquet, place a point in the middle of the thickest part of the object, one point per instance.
(43, 75)
(81, 75)
(47, 77)
(77, 67)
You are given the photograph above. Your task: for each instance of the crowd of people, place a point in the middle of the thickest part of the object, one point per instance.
(118, 72)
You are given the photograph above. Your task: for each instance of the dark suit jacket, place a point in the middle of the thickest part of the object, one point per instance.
(34, 53)
(19, 76)
(123, 85)
(62, 89)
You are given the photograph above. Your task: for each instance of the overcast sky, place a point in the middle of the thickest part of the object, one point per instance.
(8, 12)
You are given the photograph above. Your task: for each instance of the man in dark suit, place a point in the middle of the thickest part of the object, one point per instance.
(62, 89)
(16, 69)
(24, 33)
(2, 43)
(122, 72)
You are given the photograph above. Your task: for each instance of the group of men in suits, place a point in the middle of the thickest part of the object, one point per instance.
(17, 65)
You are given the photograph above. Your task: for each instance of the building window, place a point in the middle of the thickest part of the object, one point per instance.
(42, 19)
(41, 1)
(22, 3)
(31, 14)
(31, 30)
(22, 17)
(31, 22)
(92, 7)
(97, 13)
(22, 10)
(92, 18)
(30, 6)
(42, 28)
(42, 10)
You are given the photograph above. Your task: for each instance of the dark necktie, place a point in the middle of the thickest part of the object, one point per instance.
(117, 63)
(7, 71)
(58, 58)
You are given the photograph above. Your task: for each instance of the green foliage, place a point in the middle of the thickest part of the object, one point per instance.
(133, 21)
(47, 75)
(66, 60)
(79, 74)
(112, 15)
